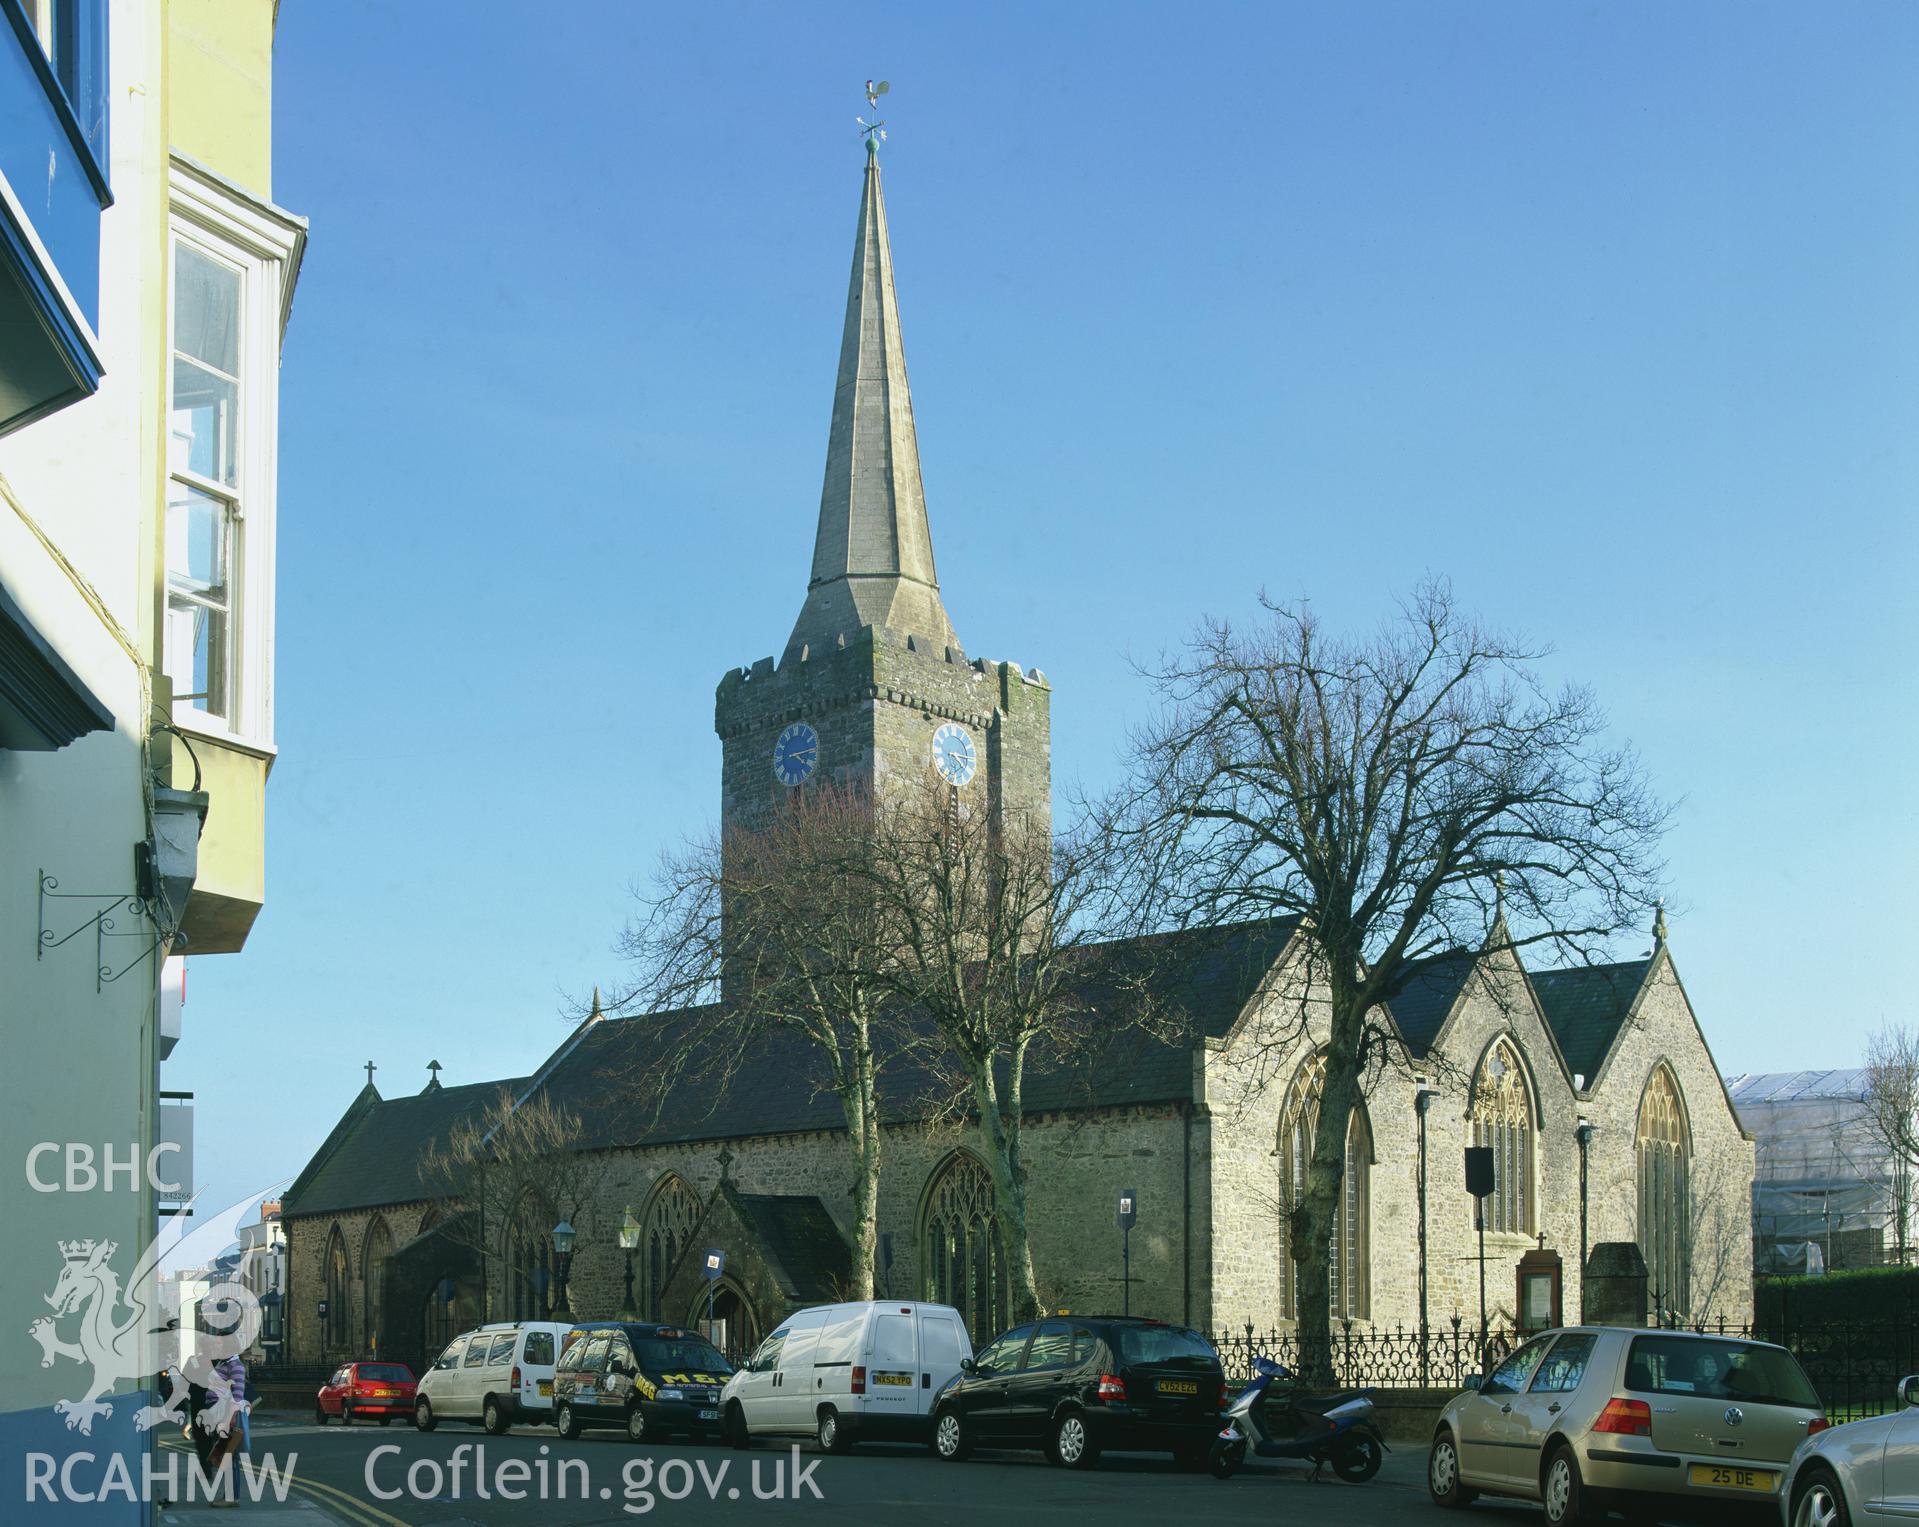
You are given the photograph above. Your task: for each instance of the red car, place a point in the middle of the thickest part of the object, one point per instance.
(375, 1391)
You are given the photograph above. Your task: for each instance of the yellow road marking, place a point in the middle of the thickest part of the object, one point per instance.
(324, 1495)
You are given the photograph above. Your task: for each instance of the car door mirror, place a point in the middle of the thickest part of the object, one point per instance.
(1909, 1389)
(1473, 1382)
(967, 1365)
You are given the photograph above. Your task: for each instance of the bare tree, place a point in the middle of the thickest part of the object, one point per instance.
(493, 1162)
(1892, 1119)
(989, 929)
(1405, 793)
(768, 932)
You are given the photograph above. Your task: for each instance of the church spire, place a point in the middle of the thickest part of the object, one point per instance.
(873, 557)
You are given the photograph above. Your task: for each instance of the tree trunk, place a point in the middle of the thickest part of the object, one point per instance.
(1000, 1134)
(1317, 1212)
(863, 1119)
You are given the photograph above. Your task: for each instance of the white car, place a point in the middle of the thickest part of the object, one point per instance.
(497, 1375)
(841, 1373)
(1864, 1472)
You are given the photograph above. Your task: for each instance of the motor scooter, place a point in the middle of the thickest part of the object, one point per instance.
(1338, 1429)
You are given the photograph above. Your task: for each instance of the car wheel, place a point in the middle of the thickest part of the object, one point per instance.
(1357, 1459)
(1559, 1488)
(1442, 1473)
(565, 1422)
(951, 1440)
(494, 1417)
(636, 1423)
(423, 1419)
(319, 1414)
(1226, 1457)
(346, 1414)
(386, 1420)
(1819, 1502)
(831, 1435)
(1072, 1444)
(733, 1426)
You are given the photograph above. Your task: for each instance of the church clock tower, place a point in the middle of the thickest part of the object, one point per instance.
(873, 691)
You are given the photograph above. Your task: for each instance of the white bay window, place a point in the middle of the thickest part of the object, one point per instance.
(234, 261)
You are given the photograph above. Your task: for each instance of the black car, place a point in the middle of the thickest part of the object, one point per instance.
(1076, 1385)
(649, 1380)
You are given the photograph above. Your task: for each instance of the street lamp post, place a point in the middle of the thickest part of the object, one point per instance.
(715, 1265)
(629, 1242)
(563, 1254)
(1128, 1217)
(1423, 1096)
(1584, 1135)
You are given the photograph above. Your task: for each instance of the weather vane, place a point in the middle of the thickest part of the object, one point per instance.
(875, 131)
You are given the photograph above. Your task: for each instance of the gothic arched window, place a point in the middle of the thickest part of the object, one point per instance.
(1502, 1115)
(1665, 1162)
(529, 1252)
(672, 1214)
(1350, 1267)
(337, 1284)
(379, 1246)
(961, 1254)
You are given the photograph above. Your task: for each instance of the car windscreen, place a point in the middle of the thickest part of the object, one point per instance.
(1711, 1369)
(684, 1354)
(1174, 1345)
(384, 1373)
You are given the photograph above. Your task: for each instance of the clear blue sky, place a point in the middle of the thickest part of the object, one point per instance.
(1606, 311)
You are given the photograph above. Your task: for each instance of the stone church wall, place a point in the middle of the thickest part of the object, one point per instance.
(1246, 1090)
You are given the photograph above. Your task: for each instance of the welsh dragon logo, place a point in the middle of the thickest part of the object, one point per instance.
(123, 1332)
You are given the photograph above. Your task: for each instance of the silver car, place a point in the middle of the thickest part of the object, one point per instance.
(1865, 1472)
(1608, 1417)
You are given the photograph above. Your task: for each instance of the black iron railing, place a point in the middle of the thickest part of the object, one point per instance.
(1855, 1366)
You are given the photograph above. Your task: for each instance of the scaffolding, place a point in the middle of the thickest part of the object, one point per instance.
(1826, 1193)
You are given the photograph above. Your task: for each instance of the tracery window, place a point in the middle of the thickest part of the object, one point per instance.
(961, 1252)
(1349, 1266)
(672, 1215)
(1664, 1148)
(337, 1283)
(379, 1246)
(1502, 1118)
(529, 1260)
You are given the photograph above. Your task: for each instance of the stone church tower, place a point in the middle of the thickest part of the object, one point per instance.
(873, 691)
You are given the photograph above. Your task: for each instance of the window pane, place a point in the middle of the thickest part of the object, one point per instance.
(206, 310)
(206, 363)
(204, 434)
(199, 599)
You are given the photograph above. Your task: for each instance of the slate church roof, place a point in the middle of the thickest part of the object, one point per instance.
(1586, 1007)
(372, 1157)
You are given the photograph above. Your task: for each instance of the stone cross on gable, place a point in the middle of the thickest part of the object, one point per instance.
(370, 1069)
(726, 1164)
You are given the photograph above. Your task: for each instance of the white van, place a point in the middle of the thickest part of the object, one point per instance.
(496, 1375)
(844, 1373)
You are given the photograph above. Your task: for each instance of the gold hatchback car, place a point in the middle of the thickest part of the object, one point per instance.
(1599, 1418)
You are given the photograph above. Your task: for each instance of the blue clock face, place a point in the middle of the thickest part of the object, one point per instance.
(795, 753)
(954, 754)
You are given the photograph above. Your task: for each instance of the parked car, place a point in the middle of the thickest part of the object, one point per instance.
(1608, 1417)
(649, 1380)
(842, 1373)
(497, 1375)
(1075, 1386)
(1864, 1472)
(371, 1391)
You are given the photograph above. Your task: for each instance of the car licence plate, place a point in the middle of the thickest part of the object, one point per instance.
(1177, 1386)
(546, 1388)
(709, 1415)
(1733, 1479)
